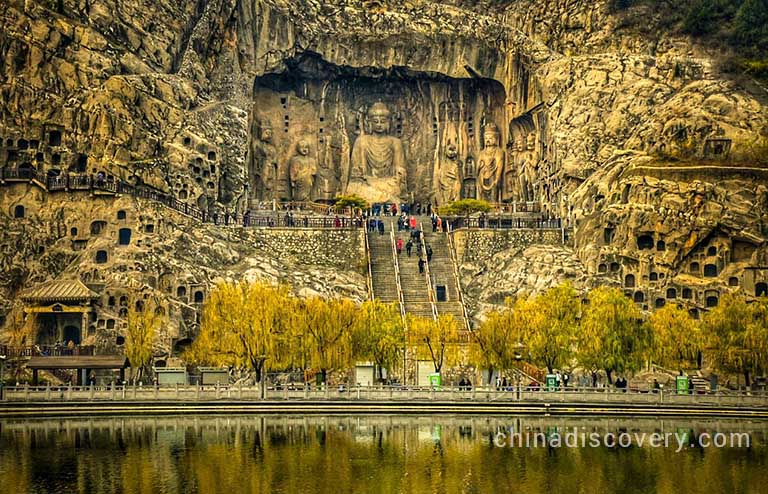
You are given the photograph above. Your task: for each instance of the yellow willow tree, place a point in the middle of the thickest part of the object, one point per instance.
(737, 336)
(245, 325)
(495, 341)
(143, 322)
(677, 338)
(324, 332)
(550, 325)
(379, 335)
(435, 340)
(612, 335)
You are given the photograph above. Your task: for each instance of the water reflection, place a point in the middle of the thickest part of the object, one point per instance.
(367, 454)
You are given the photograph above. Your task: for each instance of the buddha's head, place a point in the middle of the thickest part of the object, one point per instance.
(378, 117)
(450, 151)
(266, 132)
(491, 135)
(302, 147)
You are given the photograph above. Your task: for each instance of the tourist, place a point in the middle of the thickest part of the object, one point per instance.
(439, 223)
(434, 224)
(413, 222)
(468, 384)
(336, 222)
(462, 383)
(381, 227)
(418, 209)
(408, 247)
(429, 253)
(399, 224)
(399, 246)
(421, 265)
(394, 209)
(558, 379)
(429, 208)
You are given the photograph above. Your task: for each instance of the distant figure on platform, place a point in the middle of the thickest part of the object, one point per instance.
(421, 265)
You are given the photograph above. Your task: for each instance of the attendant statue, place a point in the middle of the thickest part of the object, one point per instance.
(490, 165)
(302, 169)
(378, 160)
(264, 173)
(448, 181)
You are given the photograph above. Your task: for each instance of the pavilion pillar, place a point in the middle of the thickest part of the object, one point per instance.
(84, 325)
(34, 377)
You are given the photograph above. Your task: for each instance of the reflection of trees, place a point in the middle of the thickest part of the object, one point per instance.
(341, 454)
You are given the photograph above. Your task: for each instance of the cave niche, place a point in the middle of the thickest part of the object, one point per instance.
(311, 119)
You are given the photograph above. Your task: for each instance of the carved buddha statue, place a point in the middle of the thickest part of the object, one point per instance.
(265, 170)
(302, 169)
(378, 160)
(490, 165)
(448, 182)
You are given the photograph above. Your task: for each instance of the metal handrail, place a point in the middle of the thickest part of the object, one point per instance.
(370, 271)
(455, 263)
(396, 261)
(430, 289)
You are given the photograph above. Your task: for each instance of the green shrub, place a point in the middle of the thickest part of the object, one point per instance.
(465, 207)
(351, 201)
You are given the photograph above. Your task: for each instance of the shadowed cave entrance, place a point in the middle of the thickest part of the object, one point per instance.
(307, 120)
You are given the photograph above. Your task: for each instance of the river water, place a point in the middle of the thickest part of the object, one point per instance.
(381, 454)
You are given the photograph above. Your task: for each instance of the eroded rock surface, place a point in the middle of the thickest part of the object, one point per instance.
(631, 135)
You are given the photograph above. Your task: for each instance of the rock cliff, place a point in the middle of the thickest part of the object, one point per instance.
(629, 133)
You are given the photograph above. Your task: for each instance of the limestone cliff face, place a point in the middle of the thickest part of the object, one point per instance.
(629, 133)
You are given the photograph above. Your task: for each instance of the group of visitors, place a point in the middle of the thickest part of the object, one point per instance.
(406, 222)
(438, 225)
(392, 209)
(465, 384)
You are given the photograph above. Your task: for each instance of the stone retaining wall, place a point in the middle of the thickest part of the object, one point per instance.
(478, 245)
(342, 249)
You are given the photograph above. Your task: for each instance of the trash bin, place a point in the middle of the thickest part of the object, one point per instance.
(551, 382)
(441, 293)
(435, 380)
(681, 385)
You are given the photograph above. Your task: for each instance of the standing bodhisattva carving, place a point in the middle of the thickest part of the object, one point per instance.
(490, 165)
(302, 169)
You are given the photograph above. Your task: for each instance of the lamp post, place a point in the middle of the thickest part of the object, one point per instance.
(2, 368)
(519, 347)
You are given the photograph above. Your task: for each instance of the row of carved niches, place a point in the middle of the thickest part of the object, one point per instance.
(322, 131)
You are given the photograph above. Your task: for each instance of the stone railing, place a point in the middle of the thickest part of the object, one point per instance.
(523, 392)
(456, 223)
(11, 351)
(71, 181)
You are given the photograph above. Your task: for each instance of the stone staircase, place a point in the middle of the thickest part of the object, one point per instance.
(413, 283)
(382, 268)
(415, 289)
(442, 271)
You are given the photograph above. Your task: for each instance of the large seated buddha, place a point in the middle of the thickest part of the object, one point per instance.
(378, 160)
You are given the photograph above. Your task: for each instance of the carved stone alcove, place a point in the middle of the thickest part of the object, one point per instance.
(319, 130)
